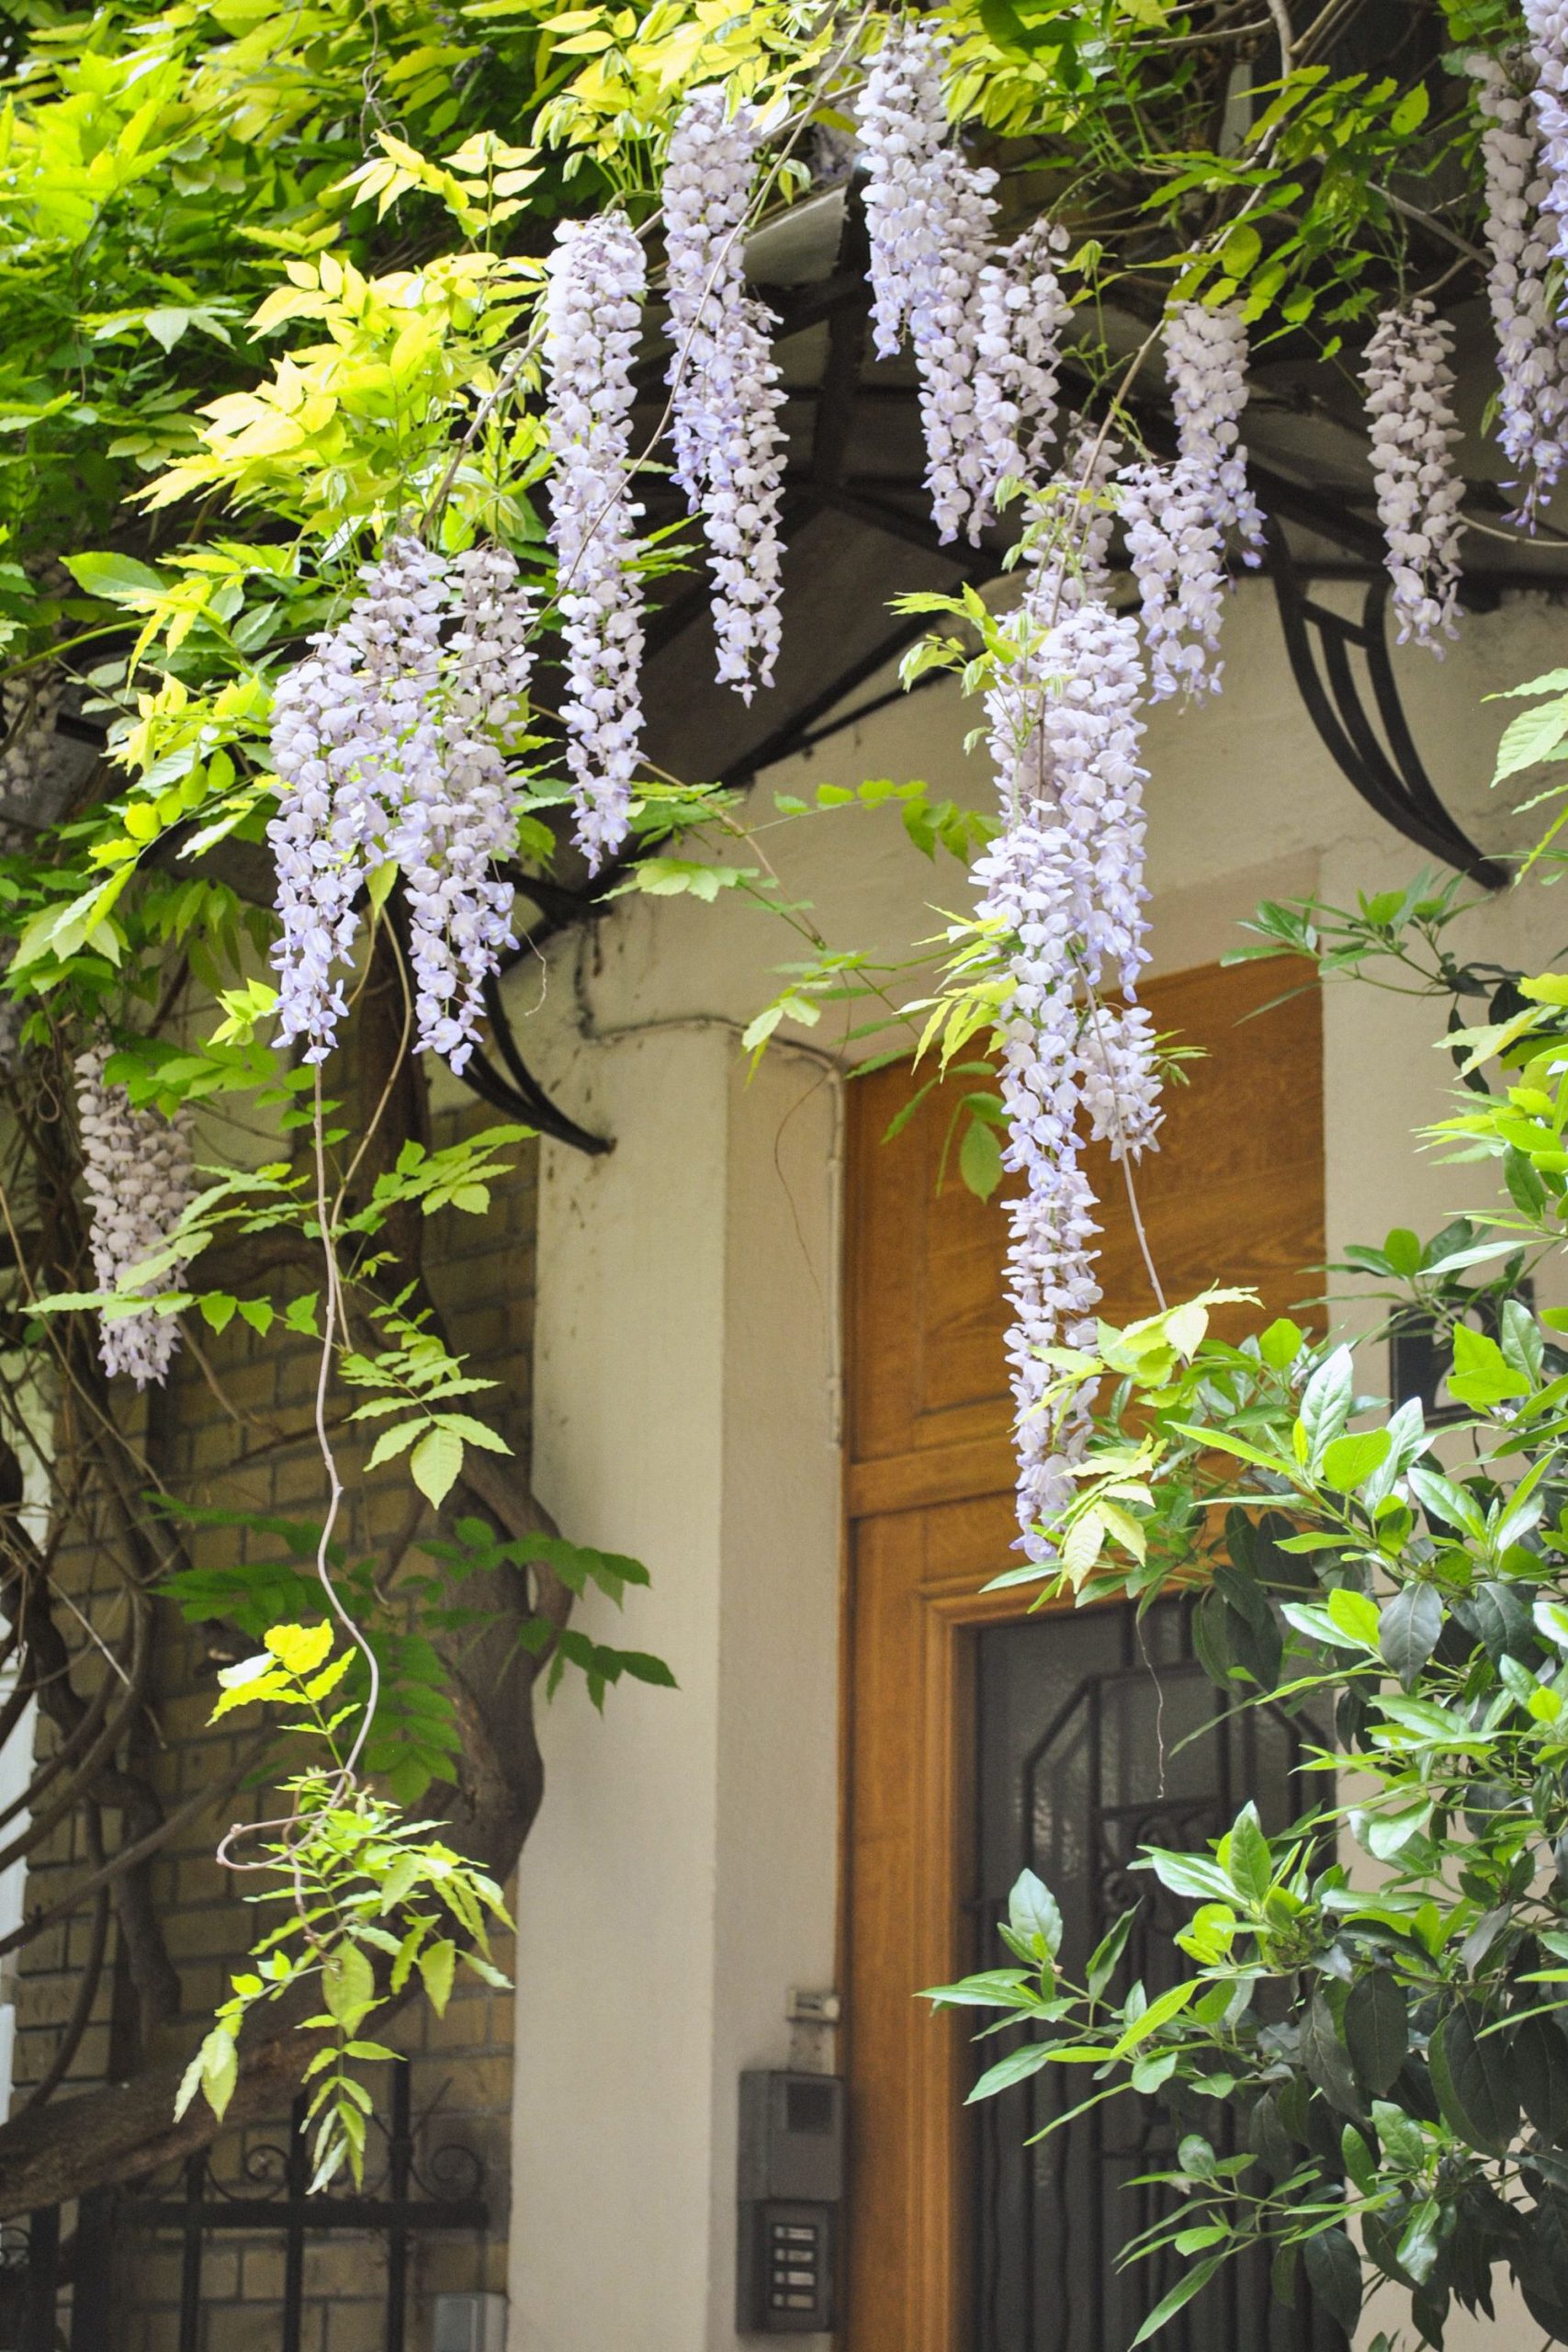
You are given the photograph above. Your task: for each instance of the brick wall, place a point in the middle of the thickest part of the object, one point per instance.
(481, 1269)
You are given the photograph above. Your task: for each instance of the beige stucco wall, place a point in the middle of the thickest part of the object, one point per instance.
(682, 1875)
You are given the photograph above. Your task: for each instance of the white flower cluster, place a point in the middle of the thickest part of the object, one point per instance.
(1064, 880)
(1546, 22)
(1206, 353)
(349, 724)
(592, 317)
(1409, 385)
(386, 748)
(136, 1166)
(986, 335)
(1022, 316)
(902, 123)
(459, 818)
(1533, 352)
(724, 380)
(945, 330)
(1177, 556)
(1068, 538)
(1177, 517)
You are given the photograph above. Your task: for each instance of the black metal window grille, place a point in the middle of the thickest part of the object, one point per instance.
(1095, 1736)
(399, 2205)
(34, 2266)
(403, 2196)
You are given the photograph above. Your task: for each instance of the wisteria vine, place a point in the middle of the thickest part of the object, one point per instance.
(389, 737)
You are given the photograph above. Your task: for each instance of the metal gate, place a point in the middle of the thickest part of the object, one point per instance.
(1097, 1736)
(401, 2200)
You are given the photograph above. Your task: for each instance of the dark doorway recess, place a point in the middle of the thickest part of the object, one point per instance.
(1095, 1736)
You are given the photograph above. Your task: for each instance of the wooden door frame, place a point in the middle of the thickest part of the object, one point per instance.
(929, 1518)
(908, 2205)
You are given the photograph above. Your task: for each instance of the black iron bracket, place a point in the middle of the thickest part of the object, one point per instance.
(517, 1090)
(1386, 769)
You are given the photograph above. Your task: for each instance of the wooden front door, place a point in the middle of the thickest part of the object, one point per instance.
(1235, 1197)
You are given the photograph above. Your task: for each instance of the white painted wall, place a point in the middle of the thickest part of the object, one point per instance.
(682, 1879)
(681, 1876)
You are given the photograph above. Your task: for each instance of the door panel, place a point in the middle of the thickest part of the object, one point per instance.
(1236, 1195)
(1096, 1735)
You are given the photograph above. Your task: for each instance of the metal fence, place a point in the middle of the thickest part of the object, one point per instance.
(400, 2201)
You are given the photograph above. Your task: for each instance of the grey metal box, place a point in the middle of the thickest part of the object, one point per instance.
(469, 2324)
(792, 2138)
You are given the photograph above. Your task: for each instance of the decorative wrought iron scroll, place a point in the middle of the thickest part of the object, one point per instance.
(1386, 767)
(402, 2202)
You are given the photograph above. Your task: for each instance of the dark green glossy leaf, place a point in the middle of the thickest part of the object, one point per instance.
(1333, 2268)
(1196, 2279)
(1412, 1623)
(1540, 2053)
(1377, 2030)
(1541, 2264)
(1473, 2080)
(1327, 2061)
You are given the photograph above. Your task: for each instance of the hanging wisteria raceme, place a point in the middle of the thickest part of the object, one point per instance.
(1063, 882)
(1546, 22)
(1067, 533)
(1120, 1078)
(1178, 561)
(1177, 517)
(136, 1168)
(1532, 350)
(930, 218)
(352, 726)
(1206, 354)
(593, 312)
(1409, 384)
(458, 818)
(1022, 317)
(1026, 887)
(945, 320)
(902, 124)
(389, 747)
(724, 396)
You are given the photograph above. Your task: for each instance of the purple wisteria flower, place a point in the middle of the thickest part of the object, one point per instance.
(1022, 317)
(1063, 885)
(902, 124)
(1532, 351)
(1206, 353)
(459, 815)
(1546, 22)
(387, 744)
(349, 724)
(1176, 516)
(1177, 556)
(724, 380)
(932, 220)
(945, 326)
(1410, 386)
(136, 1167)
(593, 316)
